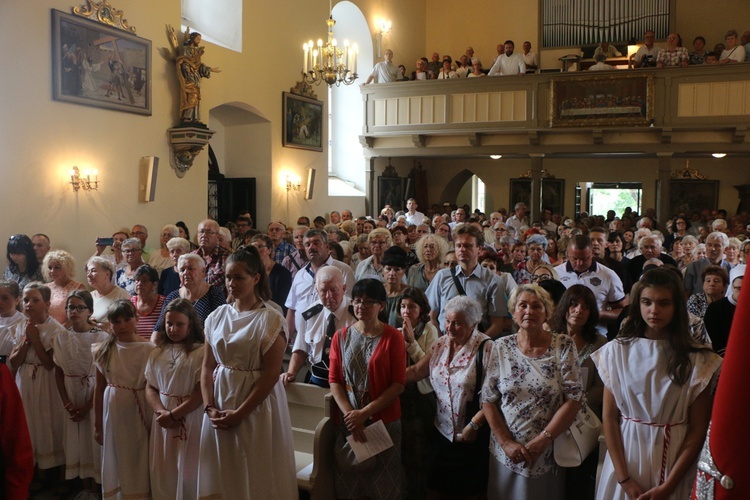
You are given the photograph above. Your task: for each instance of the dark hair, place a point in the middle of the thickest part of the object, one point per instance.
(471, 231)
(195, 325)
(699, 38)
(184, 228)
(599, 229)
(580, 241)
(121, 308)
(317, 232)
(250, 258)
(372, 289)
(394, 257)
(583, 295)
(43, 289)
(12, 287)
(719, 271)
(20, 243)
(681, 344)
(82, 295)
(147, 271)
(335, 247)
(419, 298)
(555, 289)
(305, 218)
(399, 229)
(319, 219)
(614, 235)
(264, 238)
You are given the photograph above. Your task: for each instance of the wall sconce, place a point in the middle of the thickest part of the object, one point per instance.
(84, 182)
(293, 184)
(384, 28)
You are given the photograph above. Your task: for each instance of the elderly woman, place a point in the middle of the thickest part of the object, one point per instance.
(460, 455)
(161, 260)
(147, 301)
(431, 251)
(715, 283)
(531, 395)
(367, 365)
(169, 280)
(58, 269)
(193, 287)
(732, 252)
(689, 243)
(394, 269)
(279, 277)
(132, 250)
(23, 268)
(372, 267)
(99, 274)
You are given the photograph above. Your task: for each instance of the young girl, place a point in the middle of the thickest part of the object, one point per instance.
(121, 415)
(75, 375)
(32, 358)
(173, 392)
(12, 320)
(246, 446)
(657, 396)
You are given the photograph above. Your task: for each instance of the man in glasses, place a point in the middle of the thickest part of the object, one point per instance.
(139, 231)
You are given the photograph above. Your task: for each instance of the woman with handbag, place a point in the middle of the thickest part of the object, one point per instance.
(456, 364)
(658, 391)
(366, 373)
(531, 395)
(577, 315)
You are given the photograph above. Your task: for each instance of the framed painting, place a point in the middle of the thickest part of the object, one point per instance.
(553, 193)
(97, 65)
(602, 100)
(689, 195)
(302, 122)
(391, 192)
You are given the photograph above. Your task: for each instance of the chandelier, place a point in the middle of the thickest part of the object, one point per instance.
(330, 63)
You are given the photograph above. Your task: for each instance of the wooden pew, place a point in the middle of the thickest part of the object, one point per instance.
(310, 408)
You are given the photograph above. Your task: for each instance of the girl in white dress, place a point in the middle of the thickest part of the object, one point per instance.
(173, 392)
(657, 397)
(11, 319)
(246, 448)
(32, 358)
(122, 421)
(75, 375)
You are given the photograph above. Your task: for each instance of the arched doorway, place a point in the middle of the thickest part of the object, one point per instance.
(467, 188)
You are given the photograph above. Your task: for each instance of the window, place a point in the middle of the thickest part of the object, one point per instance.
(218, 21)
(603, 196)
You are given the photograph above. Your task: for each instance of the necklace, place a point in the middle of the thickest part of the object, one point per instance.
(174, 357)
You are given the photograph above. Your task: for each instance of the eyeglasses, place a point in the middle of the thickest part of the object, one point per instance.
(139, 233)
(364, 303)
(540, 277)
(77, 308)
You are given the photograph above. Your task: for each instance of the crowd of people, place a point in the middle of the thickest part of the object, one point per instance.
(475, 340)
(507, 61)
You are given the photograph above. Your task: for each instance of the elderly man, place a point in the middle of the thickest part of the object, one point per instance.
(212, 253)
(489, 232)
(458, 216)
(529, 57)
(331, 312)
(303, 293)
(276, 231)
(298, 259)
(518, 218)
(412, 216)
(346, 215)
(471, 279)
(508, 63)
(650, 247)
(716, 242)
(335, 217)
(647, 54)
(41, 246)
(606, 285)
(139, 231)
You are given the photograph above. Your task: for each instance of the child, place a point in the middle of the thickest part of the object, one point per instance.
(121, 422)
(32, 360)
(657, 396)
(173, 391)
(75, 374)
(12, 320)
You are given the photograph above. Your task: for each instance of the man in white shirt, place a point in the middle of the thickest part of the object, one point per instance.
(647, 54)
(600, 64)
(519, 218)
(384, 71)
(529, 58)
(412, 216)
(459, 216)
(508, 63)
(331, 312)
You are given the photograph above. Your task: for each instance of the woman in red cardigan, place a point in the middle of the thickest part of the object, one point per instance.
(366, 372)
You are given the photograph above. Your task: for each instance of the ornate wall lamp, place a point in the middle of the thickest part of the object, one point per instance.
(84, 182)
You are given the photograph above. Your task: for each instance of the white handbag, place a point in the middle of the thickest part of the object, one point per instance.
(573, 446)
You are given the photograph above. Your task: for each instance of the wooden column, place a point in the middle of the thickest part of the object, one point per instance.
(663, 189)
(537, 171)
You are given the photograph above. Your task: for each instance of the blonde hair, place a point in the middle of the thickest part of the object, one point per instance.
(535, 290)
(62, 257)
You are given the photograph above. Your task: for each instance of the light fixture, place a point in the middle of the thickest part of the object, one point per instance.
(293, 184)
(84, 182)
(496, 157)
(329, 63)
(718, 155)
(385, 28)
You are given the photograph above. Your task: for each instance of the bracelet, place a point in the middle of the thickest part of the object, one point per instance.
(208, 407)
(473, 425)
(624, 480)
(547, 434)
(172, 416)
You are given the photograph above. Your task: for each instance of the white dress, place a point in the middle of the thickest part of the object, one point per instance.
(637, 375)
(10, 328)
(173, 453)
(254, 460)
(72, 353)
(45, 414)
(126, 421)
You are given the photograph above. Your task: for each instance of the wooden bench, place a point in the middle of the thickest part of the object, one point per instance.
(310, 408)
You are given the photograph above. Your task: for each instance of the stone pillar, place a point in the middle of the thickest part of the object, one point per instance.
(663, 189)
(537, 171)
